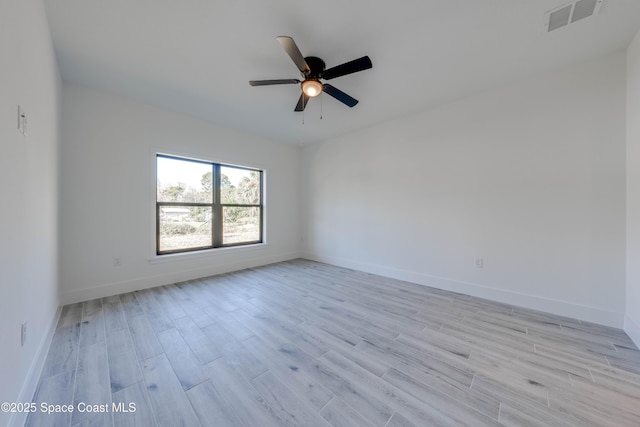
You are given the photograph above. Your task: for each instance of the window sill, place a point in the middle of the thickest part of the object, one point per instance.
(206, 253)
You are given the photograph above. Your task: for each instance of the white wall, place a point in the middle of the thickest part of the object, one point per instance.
(28, 196)
(530, 177)
(632, 319)
(108, 193)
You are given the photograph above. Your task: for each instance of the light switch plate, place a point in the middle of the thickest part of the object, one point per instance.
(22, 121)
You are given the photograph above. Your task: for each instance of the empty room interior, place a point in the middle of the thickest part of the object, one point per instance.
(279, 213)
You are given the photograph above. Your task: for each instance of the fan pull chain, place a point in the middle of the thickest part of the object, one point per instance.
(321, 98)
(303, 112)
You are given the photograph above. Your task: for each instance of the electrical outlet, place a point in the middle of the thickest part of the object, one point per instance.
(117, 262)
(23, 334)
(479, 263)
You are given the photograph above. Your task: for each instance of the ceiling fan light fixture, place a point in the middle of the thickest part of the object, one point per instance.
(312, 87)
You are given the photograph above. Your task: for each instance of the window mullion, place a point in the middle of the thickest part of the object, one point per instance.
(261, 207)
(157, 227)
(216, 228)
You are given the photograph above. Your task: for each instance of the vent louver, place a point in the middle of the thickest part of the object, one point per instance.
(570, 13)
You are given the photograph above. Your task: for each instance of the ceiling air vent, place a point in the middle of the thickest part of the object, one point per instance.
(570, 13)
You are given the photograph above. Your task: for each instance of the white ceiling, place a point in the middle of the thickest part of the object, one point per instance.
(197, 56)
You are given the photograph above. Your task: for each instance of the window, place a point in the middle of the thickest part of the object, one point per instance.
(203, 205)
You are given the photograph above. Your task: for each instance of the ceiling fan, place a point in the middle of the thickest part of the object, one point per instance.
(313, 70)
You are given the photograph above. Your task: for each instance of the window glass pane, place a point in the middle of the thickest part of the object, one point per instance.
(239, 186)
(184, 181)
(184, 227)
(240, 224)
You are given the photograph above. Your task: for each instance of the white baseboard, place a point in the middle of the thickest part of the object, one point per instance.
(632, 329)
(533, 302)
(108, 289)
(33, 376)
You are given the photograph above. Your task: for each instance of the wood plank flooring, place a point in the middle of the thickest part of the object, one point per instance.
(301, 343)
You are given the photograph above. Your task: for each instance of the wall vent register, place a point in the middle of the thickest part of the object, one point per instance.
(571, 13)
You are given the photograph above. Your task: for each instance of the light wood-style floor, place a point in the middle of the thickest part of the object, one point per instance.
(306, 344)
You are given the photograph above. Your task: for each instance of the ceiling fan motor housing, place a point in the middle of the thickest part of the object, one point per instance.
(316, 67)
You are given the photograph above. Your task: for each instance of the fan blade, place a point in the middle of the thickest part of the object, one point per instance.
(302, 102)
(273, 82)
(292, 50)
(340, 95)
(350, 67)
